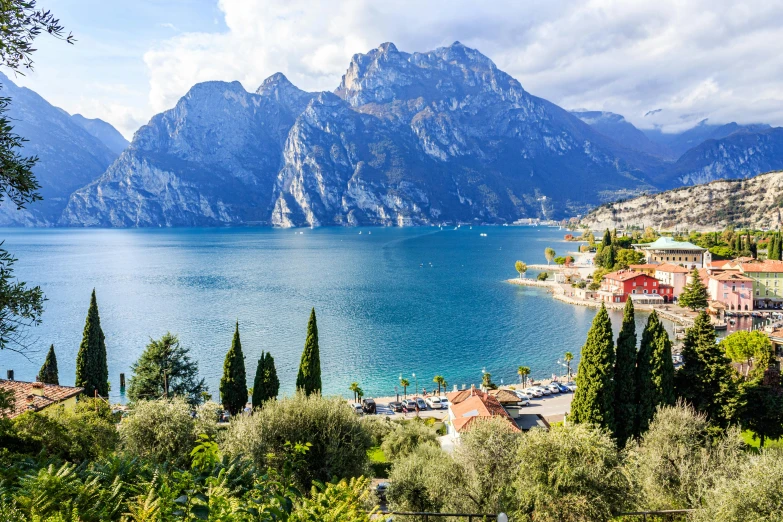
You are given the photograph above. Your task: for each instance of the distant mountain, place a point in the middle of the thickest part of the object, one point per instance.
(104, 131)
(623, 132)
(69, 156)
(405, 139)
(742, 154)
(755, 202)
(680, 143)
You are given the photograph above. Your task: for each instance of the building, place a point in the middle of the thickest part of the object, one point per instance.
(647, 268)
(466, 406)
(767, 277)
(35, 396)
(667, 250)
(672, 275)
(617, 286)
(732, 289)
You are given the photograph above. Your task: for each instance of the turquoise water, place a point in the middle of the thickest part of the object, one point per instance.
(389, 301)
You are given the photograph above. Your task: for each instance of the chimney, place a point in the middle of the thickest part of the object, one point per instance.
(10, 375)
(38, 389)
(30, 400)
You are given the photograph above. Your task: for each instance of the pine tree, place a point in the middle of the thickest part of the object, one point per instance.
(607, 241)
(92, 370)
(694, 295)
(233, 384)
(663, 368)
(309, 377)
(266, 385)
(165, 369)
(594, 397)
(624, 370)
(48, 373)
(705, 380)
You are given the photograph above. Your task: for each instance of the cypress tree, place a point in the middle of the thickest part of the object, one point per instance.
(48, 373)
(309, 377)
(607, 241)
(663, 368)
(233, 384)
(92, 370)
(594, 397)
(624, 370)
(645, 394)
(694, 295)
(266, 385)
(610, 258)
(704, 380)
(738, 243)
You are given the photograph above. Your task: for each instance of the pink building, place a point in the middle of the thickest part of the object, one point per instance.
(675, 276)
(734, 290)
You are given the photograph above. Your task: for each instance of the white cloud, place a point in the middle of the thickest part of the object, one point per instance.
(694, 60)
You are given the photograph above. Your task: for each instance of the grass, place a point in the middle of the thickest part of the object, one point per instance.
(376, 454)
(747, 438)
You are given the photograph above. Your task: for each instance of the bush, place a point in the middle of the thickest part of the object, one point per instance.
(85, 433)
(339, 438)
(378, 427)
(677, 460)
(570, 473)
(160, 431)
(543, 276)
(405, 437)
(423, 481)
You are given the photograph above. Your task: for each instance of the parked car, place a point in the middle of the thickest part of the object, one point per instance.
(368, 406)
(543, 390)
(434, 403)
(571, 386)
(524, 400)
(357, 408)
(410, 404)
(380, 491)
(444, 402)
(420, 403)
(395, 406)
(522, 395)
(563, 387)
(534, 392)
(553, 387)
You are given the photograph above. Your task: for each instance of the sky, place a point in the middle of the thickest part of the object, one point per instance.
(664, 63)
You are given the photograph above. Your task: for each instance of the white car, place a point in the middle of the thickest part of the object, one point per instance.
(357, 408)
(571, 386)
(444, 402)
(434, 403)
(545, 391)
(522, 395)
(534, 392)
(523, 400)
(554, 388)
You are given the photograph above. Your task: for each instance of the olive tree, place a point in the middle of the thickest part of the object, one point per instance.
(405, 437)
(339, 440)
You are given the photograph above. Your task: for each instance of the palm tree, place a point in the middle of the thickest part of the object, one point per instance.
(568, 358)
(359, 394)
(405, 383)
(354, 387)
(440, 381)
(523, 372)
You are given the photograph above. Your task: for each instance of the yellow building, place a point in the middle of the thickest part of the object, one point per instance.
(667, 250)
(35, 396)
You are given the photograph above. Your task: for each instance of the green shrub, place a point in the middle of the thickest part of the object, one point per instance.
(160, 431)
(406, 437)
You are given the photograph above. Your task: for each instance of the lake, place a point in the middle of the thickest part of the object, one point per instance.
(389, 301)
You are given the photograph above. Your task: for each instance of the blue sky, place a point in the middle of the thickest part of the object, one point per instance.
(692, 60)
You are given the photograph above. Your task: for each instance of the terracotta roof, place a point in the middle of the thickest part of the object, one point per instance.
(762, 266)
(718, 263)
(668, 267)
(624, 275)
(475, 404)
(504, 396)
(730, 276)
(646, 266)
(34, 396)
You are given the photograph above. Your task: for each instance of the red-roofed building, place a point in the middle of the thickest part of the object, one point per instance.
(732, 289)
(35, 396)
(617, 286)
(466, 407)
(672, 275)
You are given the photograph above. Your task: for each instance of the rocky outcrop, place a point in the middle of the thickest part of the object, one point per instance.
(742, 203)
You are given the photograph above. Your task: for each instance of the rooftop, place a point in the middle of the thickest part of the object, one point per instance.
(730, 276)
(669, 267)
(468, 405)
(667, 243)
(625, 275)
(34, 396)
(760, 266)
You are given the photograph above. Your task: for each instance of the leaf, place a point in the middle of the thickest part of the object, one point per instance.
(200, 512)
(202, 497)
(181, 500)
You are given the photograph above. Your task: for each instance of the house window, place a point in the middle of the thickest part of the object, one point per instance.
(616, 299)
(733, 288)
(725, 296)
(645, 291)
(645, 283)
(655, 283)
(633, 291)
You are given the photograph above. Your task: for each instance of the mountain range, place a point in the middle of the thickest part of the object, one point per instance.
(404, 139)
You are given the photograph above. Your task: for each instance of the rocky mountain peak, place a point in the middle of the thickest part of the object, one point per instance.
(280, 89)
